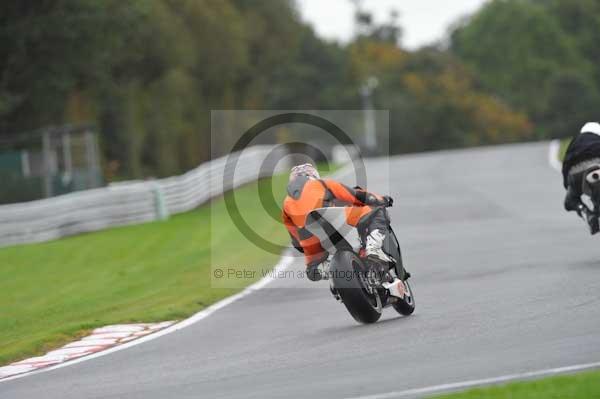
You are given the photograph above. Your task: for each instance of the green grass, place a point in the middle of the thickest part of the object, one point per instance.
(578, 386)
(52, 292)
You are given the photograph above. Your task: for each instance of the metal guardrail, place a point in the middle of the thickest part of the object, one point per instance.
(129, 202)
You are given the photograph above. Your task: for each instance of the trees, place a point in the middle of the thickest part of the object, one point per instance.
(537, 56)
(51, 48)
(442, 107)
(147, 73)
(435, 102)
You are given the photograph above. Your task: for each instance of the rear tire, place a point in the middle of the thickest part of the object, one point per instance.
(405, 306)
(347, 270)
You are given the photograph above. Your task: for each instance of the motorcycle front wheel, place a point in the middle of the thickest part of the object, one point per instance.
(349, 275)
(406, 305)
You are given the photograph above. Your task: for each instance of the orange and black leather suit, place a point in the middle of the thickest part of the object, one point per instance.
(307, 194)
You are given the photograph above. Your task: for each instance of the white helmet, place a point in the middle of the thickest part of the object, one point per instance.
(591, 127)
(306, 169)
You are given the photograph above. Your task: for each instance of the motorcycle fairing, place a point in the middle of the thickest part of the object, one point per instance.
(329, 225)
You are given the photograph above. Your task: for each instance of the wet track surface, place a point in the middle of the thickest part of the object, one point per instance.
(504, 280)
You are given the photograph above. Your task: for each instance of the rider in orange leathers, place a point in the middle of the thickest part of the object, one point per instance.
(364, 210)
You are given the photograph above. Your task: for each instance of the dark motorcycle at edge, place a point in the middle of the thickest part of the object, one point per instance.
(589, 209)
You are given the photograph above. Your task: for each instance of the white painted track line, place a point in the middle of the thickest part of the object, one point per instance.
(418, 392)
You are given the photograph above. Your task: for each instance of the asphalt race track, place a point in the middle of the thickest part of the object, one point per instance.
(505, 282)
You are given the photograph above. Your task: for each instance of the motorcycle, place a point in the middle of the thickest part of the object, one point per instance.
(363, 286)
(589, 208)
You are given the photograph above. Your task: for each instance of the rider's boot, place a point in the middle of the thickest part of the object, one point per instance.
(572, 200)
(375, 254)
(374, 247)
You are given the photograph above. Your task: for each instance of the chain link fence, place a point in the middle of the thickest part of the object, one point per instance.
(48, 162)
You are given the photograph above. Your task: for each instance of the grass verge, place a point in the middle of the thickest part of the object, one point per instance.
(53, 292)
(577, 386)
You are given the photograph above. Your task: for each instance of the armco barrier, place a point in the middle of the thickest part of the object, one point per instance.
(128, 202)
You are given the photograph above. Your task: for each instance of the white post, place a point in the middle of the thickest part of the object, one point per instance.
(25, 166)
(91, 151)
(160, 205)
(370, 128)
(68, 159)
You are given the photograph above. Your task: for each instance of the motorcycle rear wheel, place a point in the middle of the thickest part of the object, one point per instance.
(347, 272)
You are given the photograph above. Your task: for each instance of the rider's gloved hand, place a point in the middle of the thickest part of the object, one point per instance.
(389, 201)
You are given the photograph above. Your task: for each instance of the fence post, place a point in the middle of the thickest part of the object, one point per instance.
(47, 164)
(91, 154)
(67, 157)
(160, 206)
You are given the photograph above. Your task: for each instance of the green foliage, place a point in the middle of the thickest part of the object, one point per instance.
(147, 73)
(434, 100)
(538, 56)
(49, 48)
